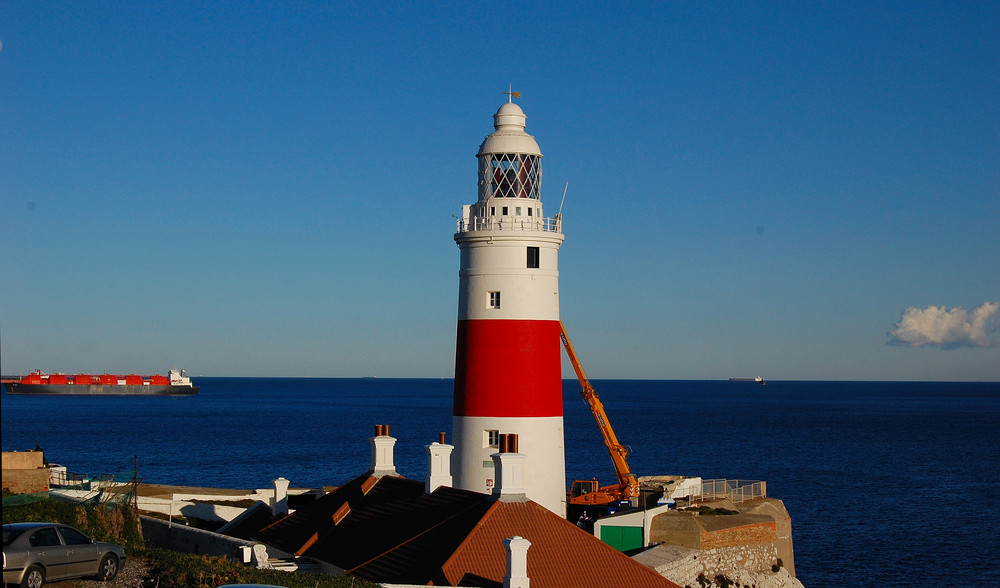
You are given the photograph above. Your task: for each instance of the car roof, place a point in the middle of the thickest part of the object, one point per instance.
(25, 526)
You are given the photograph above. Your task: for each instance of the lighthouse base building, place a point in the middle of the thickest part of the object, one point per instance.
(508, 377)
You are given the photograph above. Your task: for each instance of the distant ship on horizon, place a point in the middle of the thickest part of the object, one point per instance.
(756, 380)
(175, 383)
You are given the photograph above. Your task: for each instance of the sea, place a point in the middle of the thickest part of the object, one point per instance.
(887, 483)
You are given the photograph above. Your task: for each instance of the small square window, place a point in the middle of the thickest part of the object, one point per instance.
(491, 438)
(493, 211)
(517, 211)
(533, 257)
(504, 211)
(494, 299)
(530, 210)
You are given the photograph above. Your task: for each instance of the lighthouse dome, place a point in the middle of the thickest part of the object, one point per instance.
(509, 136)
(509, 115)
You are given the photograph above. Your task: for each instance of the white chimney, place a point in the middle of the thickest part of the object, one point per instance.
(382, 444)
(280, 504)
(438, 465)
(517, 562)
(509, 468)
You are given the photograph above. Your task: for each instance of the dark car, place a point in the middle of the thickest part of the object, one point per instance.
(36, 552)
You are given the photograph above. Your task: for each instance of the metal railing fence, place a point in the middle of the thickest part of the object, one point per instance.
(735, 490)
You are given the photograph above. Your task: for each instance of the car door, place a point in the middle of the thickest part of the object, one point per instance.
(47, 548)
(81, 553)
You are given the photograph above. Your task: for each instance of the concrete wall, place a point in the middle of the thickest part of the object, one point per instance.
(158, 533)
(687, 529)
(752, 534)
(751, 564)
(23, 460)
(775, 509)
(24, 472)
(195, 510)
(758, 536)
(26, 481)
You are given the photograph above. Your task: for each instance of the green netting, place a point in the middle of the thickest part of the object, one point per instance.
(123, 476)
(19, 499)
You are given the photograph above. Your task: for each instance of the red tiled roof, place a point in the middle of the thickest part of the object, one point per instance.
(406, 540)
(561, 554)
(291, 532)
(388, 530)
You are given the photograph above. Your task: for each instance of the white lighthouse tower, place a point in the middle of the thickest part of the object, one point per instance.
(507, 365)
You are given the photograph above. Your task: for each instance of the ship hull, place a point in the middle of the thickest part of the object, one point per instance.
(99, 389)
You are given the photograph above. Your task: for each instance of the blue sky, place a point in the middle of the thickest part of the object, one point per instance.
(801, 192)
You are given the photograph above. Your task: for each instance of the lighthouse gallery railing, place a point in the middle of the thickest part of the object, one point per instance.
(509, 223)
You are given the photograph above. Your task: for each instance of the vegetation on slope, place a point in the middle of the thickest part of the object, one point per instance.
(119, 523)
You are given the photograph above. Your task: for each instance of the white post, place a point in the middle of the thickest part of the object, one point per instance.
(438, 466)
(382, 445)
(517, 562)
(280, 505)
(509, 469)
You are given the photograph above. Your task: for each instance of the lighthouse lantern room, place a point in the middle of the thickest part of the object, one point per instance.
(507, 365)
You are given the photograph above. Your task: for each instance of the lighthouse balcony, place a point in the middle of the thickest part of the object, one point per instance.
(510, 223)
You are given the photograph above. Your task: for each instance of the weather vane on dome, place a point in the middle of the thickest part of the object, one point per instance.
(511, 94)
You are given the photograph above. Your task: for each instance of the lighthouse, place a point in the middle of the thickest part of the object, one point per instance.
(507, 361)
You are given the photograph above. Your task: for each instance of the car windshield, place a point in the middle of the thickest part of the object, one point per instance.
(10, 534)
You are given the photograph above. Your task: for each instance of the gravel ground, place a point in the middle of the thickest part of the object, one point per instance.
(130, 576)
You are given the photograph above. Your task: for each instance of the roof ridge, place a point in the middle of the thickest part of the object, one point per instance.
(479, 525)
(450, 517)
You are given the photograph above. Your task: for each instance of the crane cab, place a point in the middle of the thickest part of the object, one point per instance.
(583, 487)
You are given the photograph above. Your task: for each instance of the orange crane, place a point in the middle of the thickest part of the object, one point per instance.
(588, 492)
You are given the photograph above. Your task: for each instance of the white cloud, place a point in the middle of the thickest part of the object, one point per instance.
(947, 328)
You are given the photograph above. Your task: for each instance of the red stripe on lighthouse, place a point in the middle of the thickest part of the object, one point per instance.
(508, 368)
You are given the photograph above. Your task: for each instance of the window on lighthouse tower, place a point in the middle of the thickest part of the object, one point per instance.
(495, 299)
(533, 257)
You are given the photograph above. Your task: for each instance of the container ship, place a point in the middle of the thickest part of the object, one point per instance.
(755, 380)
(175, 383)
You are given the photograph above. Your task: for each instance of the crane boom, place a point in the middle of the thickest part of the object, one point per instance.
(628, 486)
